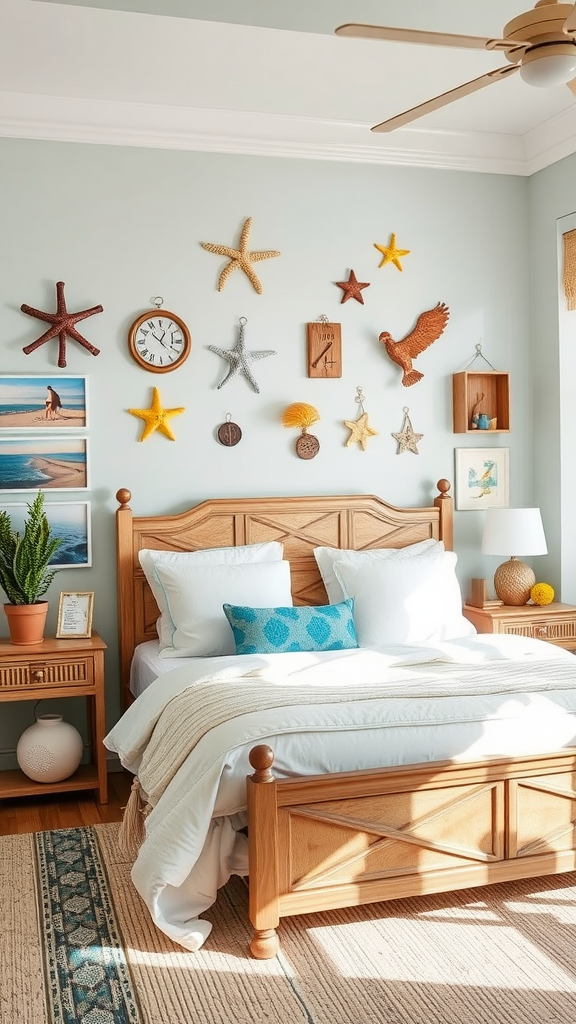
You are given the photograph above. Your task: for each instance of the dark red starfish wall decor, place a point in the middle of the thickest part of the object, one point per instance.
(62, 324)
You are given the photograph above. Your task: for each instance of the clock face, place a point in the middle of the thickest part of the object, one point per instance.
(159, 341)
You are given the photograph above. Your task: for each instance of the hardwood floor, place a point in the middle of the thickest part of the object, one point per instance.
(65, 810)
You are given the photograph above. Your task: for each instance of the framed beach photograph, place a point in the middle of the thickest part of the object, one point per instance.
(56, 402)
(44, 464)
(482, 478)
(70, 521)
(75, 614)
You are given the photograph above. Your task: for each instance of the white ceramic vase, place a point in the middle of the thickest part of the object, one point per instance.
(50, 750)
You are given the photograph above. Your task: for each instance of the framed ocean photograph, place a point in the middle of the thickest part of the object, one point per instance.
(70, 521)
(44, 464)
(56, 402)
(482, 478)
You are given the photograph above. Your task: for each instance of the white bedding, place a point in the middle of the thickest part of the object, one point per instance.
(435, 702)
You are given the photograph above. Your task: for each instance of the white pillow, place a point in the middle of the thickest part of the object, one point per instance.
(408, 600)
(326, 557)
(271, 551)
(195, 598)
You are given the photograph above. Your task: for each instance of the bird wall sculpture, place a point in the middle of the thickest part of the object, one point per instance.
(429, 326)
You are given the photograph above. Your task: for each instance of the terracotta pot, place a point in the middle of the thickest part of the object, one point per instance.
(26, 622)
(50, 750)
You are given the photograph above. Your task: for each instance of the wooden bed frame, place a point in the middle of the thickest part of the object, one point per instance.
(322, 842)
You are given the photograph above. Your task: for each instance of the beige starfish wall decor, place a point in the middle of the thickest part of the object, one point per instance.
(241, 258)
(360, 429)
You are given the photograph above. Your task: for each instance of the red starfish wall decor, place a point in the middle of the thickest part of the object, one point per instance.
(62, 324)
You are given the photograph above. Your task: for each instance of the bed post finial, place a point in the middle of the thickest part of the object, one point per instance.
(445, 506)
(443, 486)
(262, 758)
(123, 497)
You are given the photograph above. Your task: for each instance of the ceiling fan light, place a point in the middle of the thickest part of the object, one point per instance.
(545, 69)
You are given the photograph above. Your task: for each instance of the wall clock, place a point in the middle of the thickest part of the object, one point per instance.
(324, 356)
(159, 341)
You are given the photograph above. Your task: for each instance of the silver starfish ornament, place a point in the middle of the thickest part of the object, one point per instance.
(240, 358)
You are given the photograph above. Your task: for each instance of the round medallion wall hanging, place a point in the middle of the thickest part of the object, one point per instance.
(229, 433)
(159, 341)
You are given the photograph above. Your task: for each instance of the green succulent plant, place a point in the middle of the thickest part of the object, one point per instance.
(24, 560)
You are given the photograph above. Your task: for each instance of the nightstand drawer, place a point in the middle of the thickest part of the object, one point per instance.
(39, 673)
(554, 630)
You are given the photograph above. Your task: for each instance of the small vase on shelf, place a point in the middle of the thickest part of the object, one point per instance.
(50, 750)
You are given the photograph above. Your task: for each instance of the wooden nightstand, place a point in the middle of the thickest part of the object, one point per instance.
(58, 668)
(553, 622)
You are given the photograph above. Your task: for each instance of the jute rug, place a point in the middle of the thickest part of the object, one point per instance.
(76, 944)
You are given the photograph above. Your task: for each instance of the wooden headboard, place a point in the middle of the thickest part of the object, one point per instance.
(359, 522)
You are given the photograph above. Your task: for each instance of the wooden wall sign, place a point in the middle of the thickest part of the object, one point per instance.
(324, 349)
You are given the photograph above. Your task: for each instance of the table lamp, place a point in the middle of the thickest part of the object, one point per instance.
(513, 529)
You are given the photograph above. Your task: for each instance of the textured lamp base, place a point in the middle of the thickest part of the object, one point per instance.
(513, 581)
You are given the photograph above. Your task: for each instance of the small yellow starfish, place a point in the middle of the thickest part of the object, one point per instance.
(240, 257)
(156, 418)
(390, 254)
(360, 431)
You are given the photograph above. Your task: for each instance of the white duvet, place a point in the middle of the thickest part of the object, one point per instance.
(484, 695)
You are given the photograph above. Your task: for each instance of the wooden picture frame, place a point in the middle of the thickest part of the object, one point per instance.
(482, 478)
(75, 614)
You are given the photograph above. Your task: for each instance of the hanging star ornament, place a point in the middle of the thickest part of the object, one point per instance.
(62, 324)
(240, 358)
(352, 288)
(360, 429)
(240, 258)
(156, 418)
(407, 439)
(391, 254)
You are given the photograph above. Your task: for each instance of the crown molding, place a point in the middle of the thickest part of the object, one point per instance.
(120, 123)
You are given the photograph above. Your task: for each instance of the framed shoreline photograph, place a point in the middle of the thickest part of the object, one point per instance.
(482, 478)
(75, 614)
(44, 464)
(56, 402)
(68, 520)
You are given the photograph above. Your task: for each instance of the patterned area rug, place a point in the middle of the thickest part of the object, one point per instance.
(77, 945)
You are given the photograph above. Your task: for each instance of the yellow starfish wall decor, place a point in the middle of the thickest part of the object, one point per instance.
(240, 258)
(156, 418)
(360, 429)
(391, 254)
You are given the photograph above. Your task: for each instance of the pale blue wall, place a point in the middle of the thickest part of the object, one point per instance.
(552, 351)
(122, 225)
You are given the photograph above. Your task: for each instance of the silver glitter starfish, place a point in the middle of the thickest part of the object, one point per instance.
(240, 358)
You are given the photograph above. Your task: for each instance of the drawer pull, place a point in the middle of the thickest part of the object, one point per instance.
(541, 630)
(38, 676)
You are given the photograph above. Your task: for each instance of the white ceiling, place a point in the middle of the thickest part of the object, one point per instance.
(264, 76)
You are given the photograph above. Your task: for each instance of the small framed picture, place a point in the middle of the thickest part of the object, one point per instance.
(75, 614)
(54, 403)
(482, 478)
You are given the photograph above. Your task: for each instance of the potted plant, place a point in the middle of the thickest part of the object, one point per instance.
(24, 572)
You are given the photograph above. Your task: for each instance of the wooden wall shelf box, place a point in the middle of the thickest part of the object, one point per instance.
(468, 386)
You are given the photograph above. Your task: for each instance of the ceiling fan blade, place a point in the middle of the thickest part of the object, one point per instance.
(409, 35)
(569, 26)
(446, 97)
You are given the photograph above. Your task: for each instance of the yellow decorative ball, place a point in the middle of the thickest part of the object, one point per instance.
(542, 593)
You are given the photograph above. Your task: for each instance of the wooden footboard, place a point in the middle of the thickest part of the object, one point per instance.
(327, 841)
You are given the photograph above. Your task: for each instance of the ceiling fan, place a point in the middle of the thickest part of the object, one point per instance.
(540, 44)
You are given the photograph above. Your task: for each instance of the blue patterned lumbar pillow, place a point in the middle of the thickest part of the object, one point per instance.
(277, 630)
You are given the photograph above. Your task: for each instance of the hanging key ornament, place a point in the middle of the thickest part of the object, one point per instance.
(229, 433)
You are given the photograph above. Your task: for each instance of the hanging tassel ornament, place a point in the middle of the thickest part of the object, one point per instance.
(132, 830)
(360, 430)
(302, 415)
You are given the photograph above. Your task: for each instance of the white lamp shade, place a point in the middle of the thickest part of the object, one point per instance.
(513, 532)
